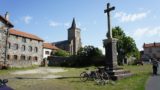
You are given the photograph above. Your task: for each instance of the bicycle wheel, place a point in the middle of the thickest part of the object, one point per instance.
(106, 77)
(84, 76)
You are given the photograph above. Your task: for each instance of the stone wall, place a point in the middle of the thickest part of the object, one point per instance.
(2, 45)
(18, 57)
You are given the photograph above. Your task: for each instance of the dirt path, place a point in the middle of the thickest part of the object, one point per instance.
(41, 72)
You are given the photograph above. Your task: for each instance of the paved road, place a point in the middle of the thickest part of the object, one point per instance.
(154, 82)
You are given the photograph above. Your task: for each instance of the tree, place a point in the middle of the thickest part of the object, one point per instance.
(89, 51)
(86, 56)
(61, 53)
(126, 46)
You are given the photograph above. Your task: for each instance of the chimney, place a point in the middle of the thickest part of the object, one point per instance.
(7, 16)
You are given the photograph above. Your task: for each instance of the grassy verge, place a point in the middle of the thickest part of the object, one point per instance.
(6, 71)
(136, 82)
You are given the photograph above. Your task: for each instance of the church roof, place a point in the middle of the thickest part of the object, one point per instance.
(73, 26)
(61, 42)
(50, 46)
(24, 34)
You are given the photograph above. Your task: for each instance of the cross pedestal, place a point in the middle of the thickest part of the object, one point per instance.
(110, 46)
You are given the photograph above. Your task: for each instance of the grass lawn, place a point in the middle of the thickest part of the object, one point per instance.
(136, 82)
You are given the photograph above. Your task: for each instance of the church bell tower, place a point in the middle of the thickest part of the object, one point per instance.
(74, 38)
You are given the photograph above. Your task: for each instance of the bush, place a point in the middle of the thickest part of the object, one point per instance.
(62, 53)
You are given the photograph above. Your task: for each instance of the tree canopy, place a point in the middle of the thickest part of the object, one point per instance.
(61, 53)
(126, 45)
(89, 51)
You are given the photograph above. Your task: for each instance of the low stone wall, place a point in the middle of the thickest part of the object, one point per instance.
(75, 61)
(56, 60)
(22, 63)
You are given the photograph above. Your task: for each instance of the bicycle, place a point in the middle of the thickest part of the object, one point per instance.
(87, 75)
(102, 77)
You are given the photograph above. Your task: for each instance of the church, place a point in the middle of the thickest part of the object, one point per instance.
(73, 44)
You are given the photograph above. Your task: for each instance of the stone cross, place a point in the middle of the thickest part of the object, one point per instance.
(109, 22)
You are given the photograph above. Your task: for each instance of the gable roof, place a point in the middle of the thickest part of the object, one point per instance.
(6, 21)
(24, 34)
(151, 45)
(50, 46)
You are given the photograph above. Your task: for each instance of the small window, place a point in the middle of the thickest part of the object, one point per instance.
(23, 48)
(8, 57)
(35, 49)
(29, 58)
(15, 47)
(150, 50)
(30, 48)
(24, 40)
(23, 57)
(9, 45)
(35, 58)
(15, 57)
(47, 52)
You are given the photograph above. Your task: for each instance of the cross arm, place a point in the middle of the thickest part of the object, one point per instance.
(109, 9)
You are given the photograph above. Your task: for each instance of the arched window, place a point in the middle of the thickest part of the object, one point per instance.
(35, 49)
(23, 48)
(15, 57)
(30, 48)
(23, 57)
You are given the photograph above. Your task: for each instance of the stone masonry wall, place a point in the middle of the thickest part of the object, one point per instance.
(30, 55)
(2, 45)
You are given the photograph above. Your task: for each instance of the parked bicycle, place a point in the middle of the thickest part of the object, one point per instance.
(100, 76)
(87, 75)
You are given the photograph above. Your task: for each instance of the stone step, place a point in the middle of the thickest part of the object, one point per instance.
(117, 72)
(121, 76)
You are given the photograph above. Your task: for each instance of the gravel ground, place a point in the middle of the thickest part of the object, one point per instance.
(42, 78)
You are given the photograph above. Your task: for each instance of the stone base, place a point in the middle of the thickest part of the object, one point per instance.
(119, 74)
(110, 52)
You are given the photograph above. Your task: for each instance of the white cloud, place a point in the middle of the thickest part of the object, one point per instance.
(124, 17)
(27, 19)
(54, 24)
(149, 32)
(67, 24)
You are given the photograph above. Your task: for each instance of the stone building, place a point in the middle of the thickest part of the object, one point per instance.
(73, 44)
(24, 49)
(151, 50)
(48, 48)
(5, 25)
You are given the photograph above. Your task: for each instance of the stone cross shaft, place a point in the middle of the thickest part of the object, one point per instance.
(108, 10)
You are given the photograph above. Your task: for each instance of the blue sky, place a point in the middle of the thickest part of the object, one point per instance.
(50, 19)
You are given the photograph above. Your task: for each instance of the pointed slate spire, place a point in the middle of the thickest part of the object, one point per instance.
(73, 23)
